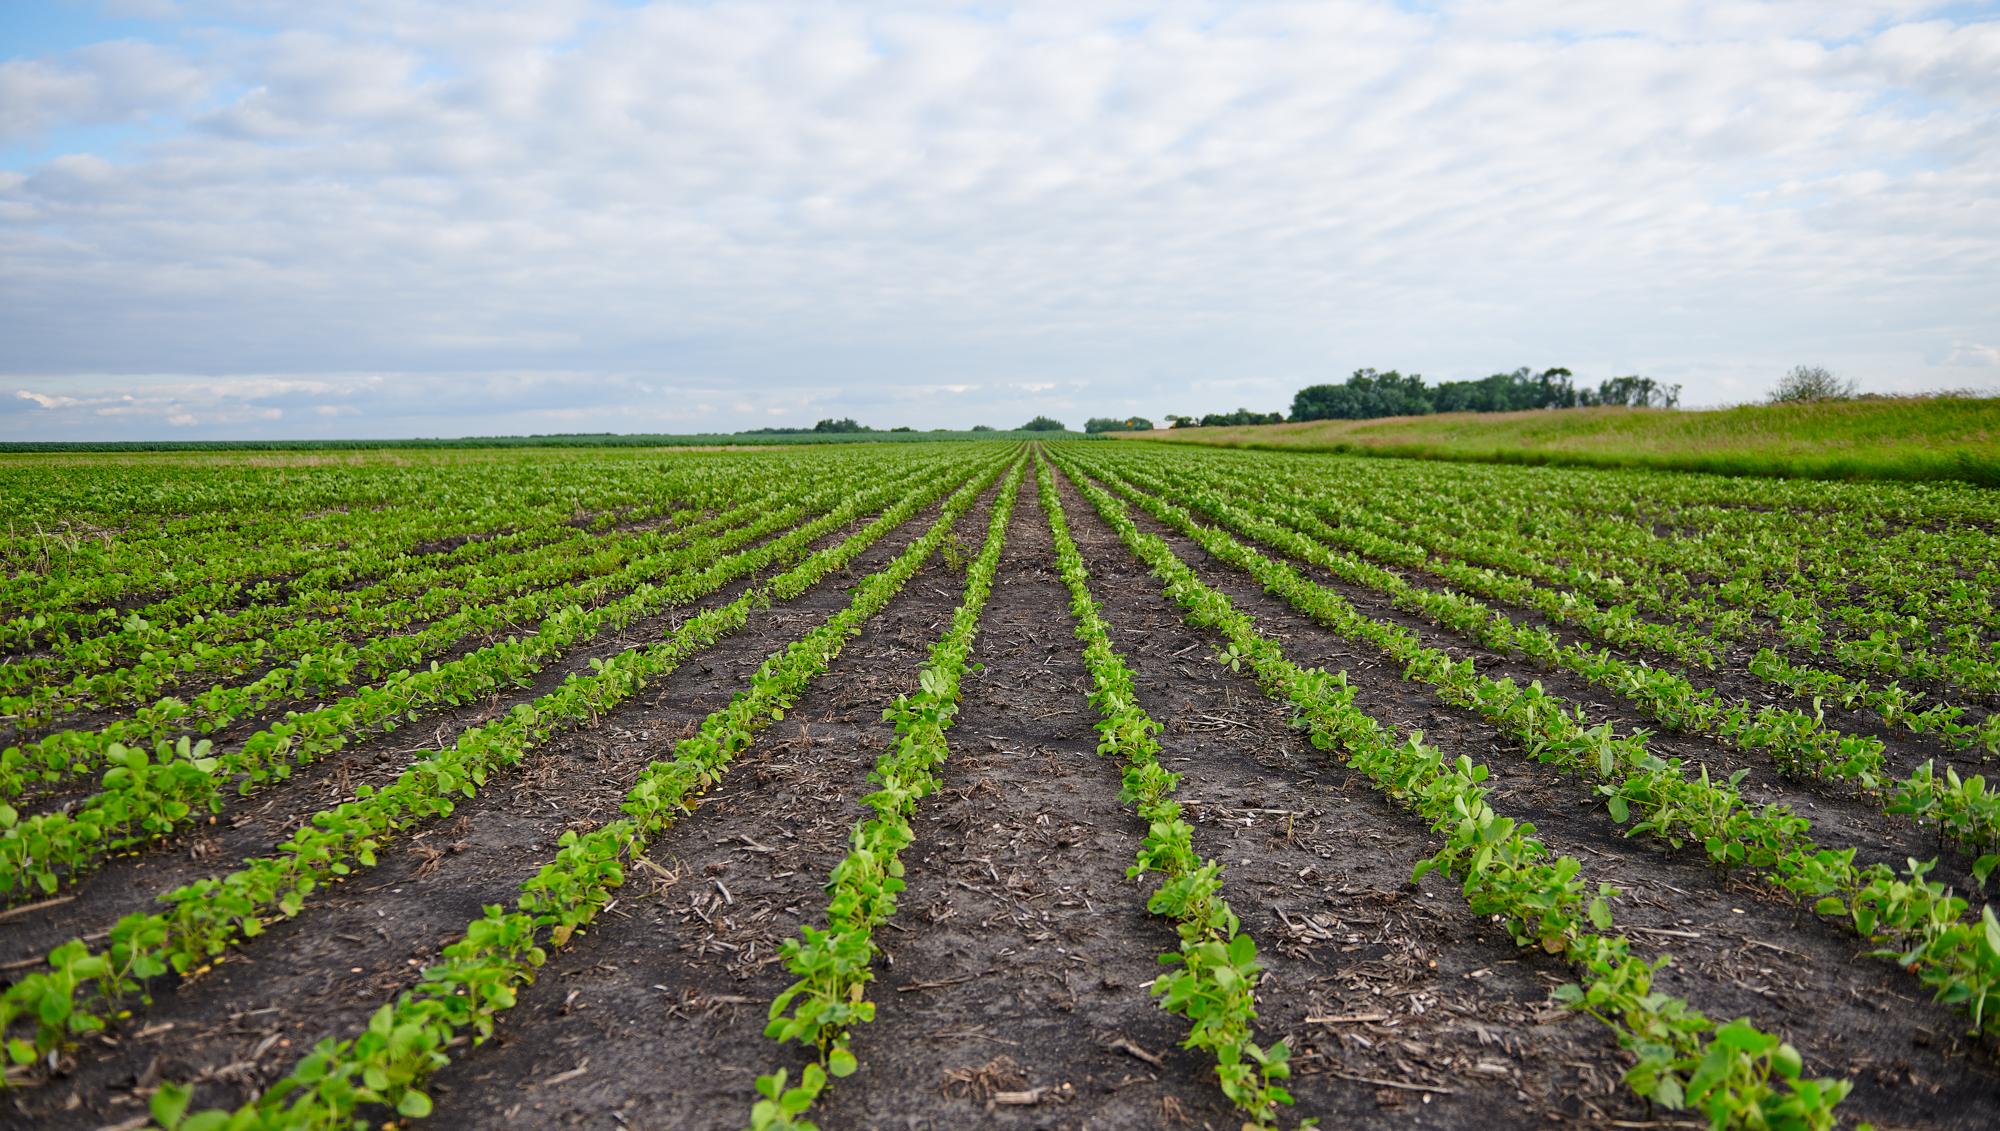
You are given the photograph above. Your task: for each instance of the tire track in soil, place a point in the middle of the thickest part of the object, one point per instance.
(247, 1021)
(663, 1003)
(1423, 992)
(1020, 953)
(252, 826)
(1739, 948)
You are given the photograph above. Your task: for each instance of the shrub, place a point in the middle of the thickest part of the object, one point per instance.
(1811, 383)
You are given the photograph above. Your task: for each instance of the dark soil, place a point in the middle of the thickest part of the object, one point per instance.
(1840, 814)
(248, 1020)
(1401, 1005)
(1013, 993)
(663, 1007)
(54, 796)
(253, 825)
(1012, 986)
(1739, 949)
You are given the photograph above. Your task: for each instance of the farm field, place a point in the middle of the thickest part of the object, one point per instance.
(1056, 784)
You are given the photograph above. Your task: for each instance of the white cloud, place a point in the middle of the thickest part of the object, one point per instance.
(1974, 354)
(844, 209)
(115, 81)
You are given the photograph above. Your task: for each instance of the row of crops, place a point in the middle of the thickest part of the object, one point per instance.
(193, 646)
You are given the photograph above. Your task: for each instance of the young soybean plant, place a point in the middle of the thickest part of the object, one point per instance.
(479, 975)
(834, 964)
(1914, 921)
(78, 993)
(1216, 987)
(1734, 1073)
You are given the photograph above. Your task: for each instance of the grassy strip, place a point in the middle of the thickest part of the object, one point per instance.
(147, 796)
(1918, 922)
(1935, 438)
(80, 988)
(1735, 1073)
(1216, 988)
(480, 974)
(834, 965)
(1801, 744)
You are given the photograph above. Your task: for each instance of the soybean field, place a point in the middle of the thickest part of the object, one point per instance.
(1066, 784)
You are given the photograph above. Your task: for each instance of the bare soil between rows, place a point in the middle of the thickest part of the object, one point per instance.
(245, 1022)
(1738, 948)
(1013, 985)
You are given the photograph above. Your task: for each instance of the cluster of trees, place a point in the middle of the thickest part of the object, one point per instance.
(1369, 394)
(1219, 419)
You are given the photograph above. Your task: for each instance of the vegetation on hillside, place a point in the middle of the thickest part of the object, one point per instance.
(1907, 438)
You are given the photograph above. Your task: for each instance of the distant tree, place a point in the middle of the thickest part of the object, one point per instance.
(1176, 421)
(1632, 392)
(1365, 395)
(902, 428)
(1506, 392)
(844, 424)
(1043, 424)
(1241, 416)
(1811, 383)
(1113, 424)
(982, 428)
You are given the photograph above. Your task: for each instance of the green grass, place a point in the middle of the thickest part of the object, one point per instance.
(1905, 438)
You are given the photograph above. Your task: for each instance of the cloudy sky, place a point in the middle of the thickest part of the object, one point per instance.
(394, 217)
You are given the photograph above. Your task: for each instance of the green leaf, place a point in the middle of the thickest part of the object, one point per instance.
(1983, 867)
(841, 1063)
(54, 1008)
(170, 1102)
(414, 1104)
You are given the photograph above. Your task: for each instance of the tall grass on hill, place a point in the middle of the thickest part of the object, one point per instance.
(1900, 438)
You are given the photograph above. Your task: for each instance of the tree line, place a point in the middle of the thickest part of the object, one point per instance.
(1371, 393)
(1368, 394)
(848, 426)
